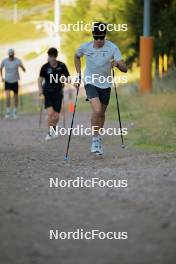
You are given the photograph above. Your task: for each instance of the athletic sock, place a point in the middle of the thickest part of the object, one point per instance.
(14, 110)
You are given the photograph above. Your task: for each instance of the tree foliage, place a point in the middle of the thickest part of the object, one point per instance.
(163, 25)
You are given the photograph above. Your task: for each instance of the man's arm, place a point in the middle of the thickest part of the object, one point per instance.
(121, 65)
(22, 67)
(77, 61)
(118, 61)
(40, 82)
(1, 72)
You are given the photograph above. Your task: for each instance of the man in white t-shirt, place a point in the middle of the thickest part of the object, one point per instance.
(101, 55)
(11, 66)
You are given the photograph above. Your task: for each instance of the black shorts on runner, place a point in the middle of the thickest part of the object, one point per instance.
(93, 91)
(12, 87)
(53, 99)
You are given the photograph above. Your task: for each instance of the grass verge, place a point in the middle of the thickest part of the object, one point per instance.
(151, 118)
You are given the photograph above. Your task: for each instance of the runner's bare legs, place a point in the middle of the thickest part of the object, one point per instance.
(7, 92)
(7, 98)
(98, 114)
(15, 100)
(53, 117)
(97, 121)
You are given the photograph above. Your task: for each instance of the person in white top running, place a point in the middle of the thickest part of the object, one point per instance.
(11, 66)
(101, 55)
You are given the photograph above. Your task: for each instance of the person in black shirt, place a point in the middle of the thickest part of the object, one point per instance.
(51, 86)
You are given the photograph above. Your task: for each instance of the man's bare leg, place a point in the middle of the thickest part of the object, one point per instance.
(56, 118)
(97, 120)
(15, 105)
(15, 100)
(7, 92)
(7, 98)
(53, 117)
(98, 114)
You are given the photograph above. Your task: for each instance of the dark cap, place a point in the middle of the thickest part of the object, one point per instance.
(99, 28)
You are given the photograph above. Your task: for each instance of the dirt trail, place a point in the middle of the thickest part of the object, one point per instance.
(146, 209)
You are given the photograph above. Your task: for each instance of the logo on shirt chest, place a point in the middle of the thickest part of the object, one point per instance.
(98, 54)
(49, 71)
(54, 71)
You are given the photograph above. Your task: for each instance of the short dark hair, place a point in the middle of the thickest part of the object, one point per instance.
(99, 28)
(52, 52)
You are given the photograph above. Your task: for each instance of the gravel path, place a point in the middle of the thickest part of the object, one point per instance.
(146, 209)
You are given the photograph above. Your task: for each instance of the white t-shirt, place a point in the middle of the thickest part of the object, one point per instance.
(11, 69)
(98, 62)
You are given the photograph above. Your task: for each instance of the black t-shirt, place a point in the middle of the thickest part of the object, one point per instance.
(52, 76)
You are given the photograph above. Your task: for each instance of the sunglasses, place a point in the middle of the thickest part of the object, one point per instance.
(99, 37)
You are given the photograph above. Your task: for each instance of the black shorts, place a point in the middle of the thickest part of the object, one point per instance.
(93, 91)
(12, 87)
(53, 99)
